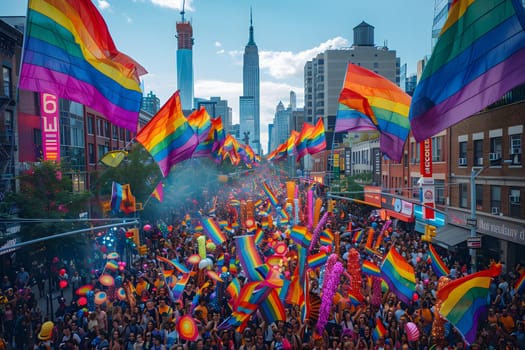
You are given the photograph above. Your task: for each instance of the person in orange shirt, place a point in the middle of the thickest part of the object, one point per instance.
(506, 321)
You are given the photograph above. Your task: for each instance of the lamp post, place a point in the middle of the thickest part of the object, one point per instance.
(473, 222)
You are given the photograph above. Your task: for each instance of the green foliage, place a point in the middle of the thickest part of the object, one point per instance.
(46, 196)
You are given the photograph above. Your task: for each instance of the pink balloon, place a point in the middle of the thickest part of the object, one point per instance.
(147, 227)
(412, 331)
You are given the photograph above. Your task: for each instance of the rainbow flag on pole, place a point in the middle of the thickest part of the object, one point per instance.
(477, 59)
(520, 282)
(212, 230)
(399, 275)
(465, 299)
(69, 52)
(438, 265)
(369, 101)
(168, 137)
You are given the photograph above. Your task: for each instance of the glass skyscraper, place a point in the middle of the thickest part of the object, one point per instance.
(251, 86)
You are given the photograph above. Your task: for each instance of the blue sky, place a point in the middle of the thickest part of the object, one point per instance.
(287, 32)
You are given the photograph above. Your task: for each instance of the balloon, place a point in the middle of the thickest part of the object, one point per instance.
(412, 331)
(147, 227)
(82, 301)
(62, 284)
(62, 272)
(415, 297)
(204, 263)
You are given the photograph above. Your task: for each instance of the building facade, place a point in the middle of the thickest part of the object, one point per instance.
(251, 89)
(150, 103)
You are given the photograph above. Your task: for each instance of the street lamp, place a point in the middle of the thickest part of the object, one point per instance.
(472, 221)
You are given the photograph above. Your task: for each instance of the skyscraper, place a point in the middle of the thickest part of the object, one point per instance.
(251, 86)
(185, 62)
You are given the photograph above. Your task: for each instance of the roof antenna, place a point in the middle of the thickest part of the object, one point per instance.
(182, 12)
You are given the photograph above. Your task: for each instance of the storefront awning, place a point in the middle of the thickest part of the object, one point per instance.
(450, 236)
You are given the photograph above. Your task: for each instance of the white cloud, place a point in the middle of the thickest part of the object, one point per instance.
(286, 64)
(174, 4)
(218, 44)
(220, 52)
(103, 4)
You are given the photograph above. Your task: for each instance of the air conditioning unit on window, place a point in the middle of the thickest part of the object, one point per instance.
(515, 150)
(480, 161)
(494, 156)
(494, 211)
(462, 161)
(515, 200)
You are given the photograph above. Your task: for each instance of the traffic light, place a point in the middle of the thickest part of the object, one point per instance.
(135, 236)
(430, 232)
(142, 249)
(331, 205)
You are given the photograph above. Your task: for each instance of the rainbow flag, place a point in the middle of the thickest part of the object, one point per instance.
(355, 299)
(234, 288)
(379, 330)
(212, 230)
(317, 139)
(520, 282)
(300, 236)
(370, 268)
(200, 122)
(69, 52)
(317, 260)
(168, 137)
(358, 236)
(465, 299)
(249, 257)
(271, 196)
(258, 236)
(290, 143)
(178, 289)
(370, 100)
(111, 265)
(223, 223)
(399, 275)
(272, 308)
(301, 145)
(327, 237)
(438, 265)
(158, 192)
(477, 59)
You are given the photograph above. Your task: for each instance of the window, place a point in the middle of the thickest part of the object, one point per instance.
(436, 148)
(479, 197)
(91, 153)
(463, 196)
(99, 127)
(439, 191)
(102, 149)
(106, 129)
(463, 149)
(115, 132)
(415, 187)
(515, 149)
(6, 72)
(515, 202)
(90, 124)
(478, 152)
(495, 199)
(496, 148)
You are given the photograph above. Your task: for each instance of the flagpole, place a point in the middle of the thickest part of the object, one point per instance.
(149, 197)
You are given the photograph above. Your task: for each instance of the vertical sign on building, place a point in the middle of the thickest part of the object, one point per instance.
(348, 161)
(427, 179)
(50, 123)
(376, 166)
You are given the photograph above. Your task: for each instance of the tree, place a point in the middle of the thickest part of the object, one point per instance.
(46, 196)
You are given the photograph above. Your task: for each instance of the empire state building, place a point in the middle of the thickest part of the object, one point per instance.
(249, 102)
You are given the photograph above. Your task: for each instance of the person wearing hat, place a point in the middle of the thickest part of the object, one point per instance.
(45, 336)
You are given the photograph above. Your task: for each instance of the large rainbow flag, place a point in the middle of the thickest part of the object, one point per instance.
(477, 59)
(200, 122)
(399, 275)
(69, 52)
(465, 299)
(168, 137)
(368, 101)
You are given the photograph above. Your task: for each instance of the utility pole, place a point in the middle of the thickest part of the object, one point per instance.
(472, 221)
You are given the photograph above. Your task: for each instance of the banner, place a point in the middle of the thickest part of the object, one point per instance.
(50, 123)
(427, 181)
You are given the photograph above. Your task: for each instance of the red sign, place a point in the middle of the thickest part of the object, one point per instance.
(426, 158)
(373, 195)
(426, 172)
(50, 126)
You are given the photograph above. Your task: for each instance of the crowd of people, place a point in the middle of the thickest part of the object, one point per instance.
(149, 321)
